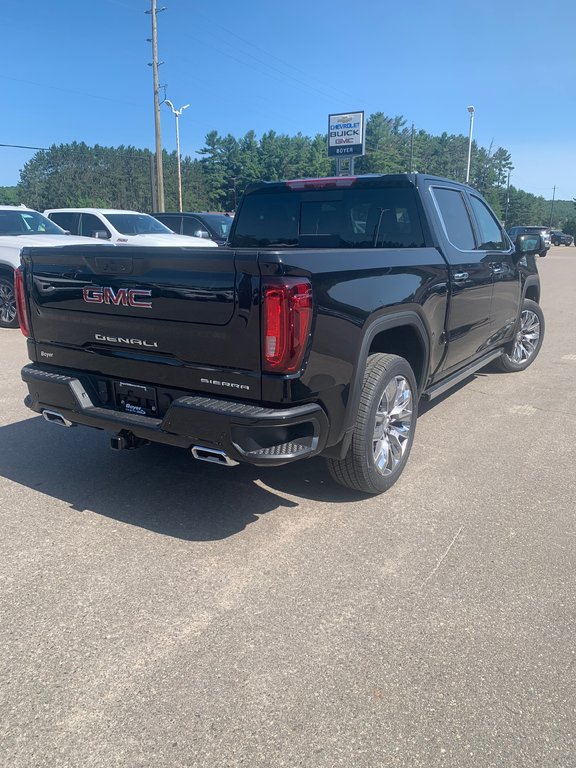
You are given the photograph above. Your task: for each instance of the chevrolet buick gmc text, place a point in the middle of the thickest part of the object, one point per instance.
(338, 304)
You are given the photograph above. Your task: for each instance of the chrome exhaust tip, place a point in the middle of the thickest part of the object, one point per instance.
(212, 455)
(56, 418)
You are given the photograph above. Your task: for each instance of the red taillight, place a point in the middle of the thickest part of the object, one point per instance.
(21, 302)
(287, 316)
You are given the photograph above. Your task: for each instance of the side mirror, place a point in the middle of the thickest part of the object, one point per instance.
(202, 233)
(529, 245)
(101, 234)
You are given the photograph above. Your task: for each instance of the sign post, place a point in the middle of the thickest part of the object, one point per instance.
(345, 140)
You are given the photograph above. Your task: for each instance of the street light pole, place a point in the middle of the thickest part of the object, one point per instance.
(177, 113)
(471, 110)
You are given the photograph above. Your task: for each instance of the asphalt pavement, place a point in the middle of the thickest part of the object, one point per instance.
(157, 611)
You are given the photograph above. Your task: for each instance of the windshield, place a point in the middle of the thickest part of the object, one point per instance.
(137, 224)
(218, 223)
(24, 222)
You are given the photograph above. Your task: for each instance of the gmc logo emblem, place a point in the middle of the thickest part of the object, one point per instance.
(123, 297)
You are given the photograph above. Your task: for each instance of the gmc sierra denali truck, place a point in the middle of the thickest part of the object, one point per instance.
(337, 306)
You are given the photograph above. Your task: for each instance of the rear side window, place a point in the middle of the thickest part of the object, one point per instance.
(67, 220)
(193, 225)
(491, 235)
(172, 222)
(91, 224)
(455, 217)
(385, 217)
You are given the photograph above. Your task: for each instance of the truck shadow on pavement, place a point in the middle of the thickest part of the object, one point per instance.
(158, 488)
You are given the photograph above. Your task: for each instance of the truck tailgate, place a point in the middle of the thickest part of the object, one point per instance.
(183, 317)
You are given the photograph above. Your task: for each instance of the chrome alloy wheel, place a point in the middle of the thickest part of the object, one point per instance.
(393, 424)
(527, 337)
(7, 303)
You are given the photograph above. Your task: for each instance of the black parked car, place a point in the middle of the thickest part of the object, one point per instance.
(560, 238)
(215, 226)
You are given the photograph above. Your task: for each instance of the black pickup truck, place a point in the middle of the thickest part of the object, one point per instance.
(337, 306)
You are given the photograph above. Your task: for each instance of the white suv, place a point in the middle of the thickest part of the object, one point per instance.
(122, 227)
(21, 227)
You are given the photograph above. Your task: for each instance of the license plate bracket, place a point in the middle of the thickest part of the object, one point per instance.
(136, 398)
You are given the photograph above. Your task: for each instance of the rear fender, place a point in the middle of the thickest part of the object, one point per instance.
(406, 319)
(531, 288)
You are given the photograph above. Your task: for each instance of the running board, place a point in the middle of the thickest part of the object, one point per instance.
(442, 386)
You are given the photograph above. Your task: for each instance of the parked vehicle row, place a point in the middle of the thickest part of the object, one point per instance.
(21, 226)
(122, 227)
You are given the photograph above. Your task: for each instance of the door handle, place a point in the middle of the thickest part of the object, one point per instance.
(460, 276)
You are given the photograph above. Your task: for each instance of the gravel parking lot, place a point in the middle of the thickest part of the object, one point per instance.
(156, 611)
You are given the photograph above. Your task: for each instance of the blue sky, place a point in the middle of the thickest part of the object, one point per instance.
(76, 70)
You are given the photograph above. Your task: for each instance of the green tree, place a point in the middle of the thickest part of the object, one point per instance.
(215, 171)
(10, 196)
(76, 174)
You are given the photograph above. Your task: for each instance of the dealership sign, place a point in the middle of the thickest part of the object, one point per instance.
(346, 134)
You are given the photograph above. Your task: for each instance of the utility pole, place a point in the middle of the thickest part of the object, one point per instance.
(412, 149)
(552, 207)
(507, 200)
(471, 111)
(154, 65)
(153, 184)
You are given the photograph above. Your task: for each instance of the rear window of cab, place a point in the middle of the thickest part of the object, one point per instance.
(346, 218)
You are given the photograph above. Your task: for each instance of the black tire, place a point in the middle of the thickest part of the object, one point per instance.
(8, 314)
(524, 349)
(359, 469)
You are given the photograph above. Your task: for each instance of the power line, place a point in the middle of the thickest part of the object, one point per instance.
(22, 146)
(44, 84)
(295, 81)
(269, 55)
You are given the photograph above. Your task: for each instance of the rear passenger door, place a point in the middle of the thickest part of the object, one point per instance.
(90, 224)
(192, 225)
(468, 324)
(171, 221)
(68, 220)
(506, 290)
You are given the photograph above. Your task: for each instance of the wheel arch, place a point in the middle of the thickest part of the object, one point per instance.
(6, 270)
(403, 334)
(532, 289)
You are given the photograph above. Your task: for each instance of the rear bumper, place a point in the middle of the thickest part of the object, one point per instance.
(246, 433)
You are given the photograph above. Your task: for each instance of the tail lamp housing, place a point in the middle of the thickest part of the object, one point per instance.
(287, 308)
(21, 307)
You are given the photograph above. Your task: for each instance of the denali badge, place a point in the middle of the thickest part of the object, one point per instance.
(126, 297)
(125, 340)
